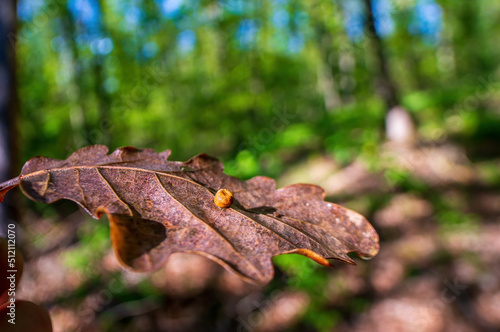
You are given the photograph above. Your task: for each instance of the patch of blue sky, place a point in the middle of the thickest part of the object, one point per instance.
(87, 13)
(186, 41)
(150, 49)
(296, 43)
(171, 8)
(236, 7)
(246, 33)
(133, 17)
(384, 24)
(101, 46)
(281, 18)
(354, 18)
(427, 21)
(27, 9)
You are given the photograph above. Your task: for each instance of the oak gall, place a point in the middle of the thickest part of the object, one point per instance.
(223, 198)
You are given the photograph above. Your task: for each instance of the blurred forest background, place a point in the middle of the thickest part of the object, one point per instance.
(296, 90)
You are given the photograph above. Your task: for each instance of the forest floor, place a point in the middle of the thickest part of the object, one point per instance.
(437, 214)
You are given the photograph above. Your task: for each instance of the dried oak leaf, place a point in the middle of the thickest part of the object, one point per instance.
(158, 207)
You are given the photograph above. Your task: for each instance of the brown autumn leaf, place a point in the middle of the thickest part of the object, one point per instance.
(158, 207)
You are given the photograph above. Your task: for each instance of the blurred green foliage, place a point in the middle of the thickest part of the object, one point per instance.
(93, 242)
(230, 79)
(259, 84)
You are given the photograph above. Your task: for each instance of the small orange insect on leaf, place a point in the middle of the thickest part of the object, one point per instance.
(224, 198)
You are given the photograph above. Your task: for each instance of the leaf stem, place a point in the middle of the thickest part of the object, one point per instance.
(9, 184)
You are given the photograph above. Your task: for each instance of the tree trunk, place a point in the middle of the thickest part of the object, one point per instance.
(387, 88)
(8, 100)
(327, 67)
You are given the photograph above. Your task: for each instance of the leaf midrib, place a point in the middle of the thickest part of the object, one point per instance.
(166, 173)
